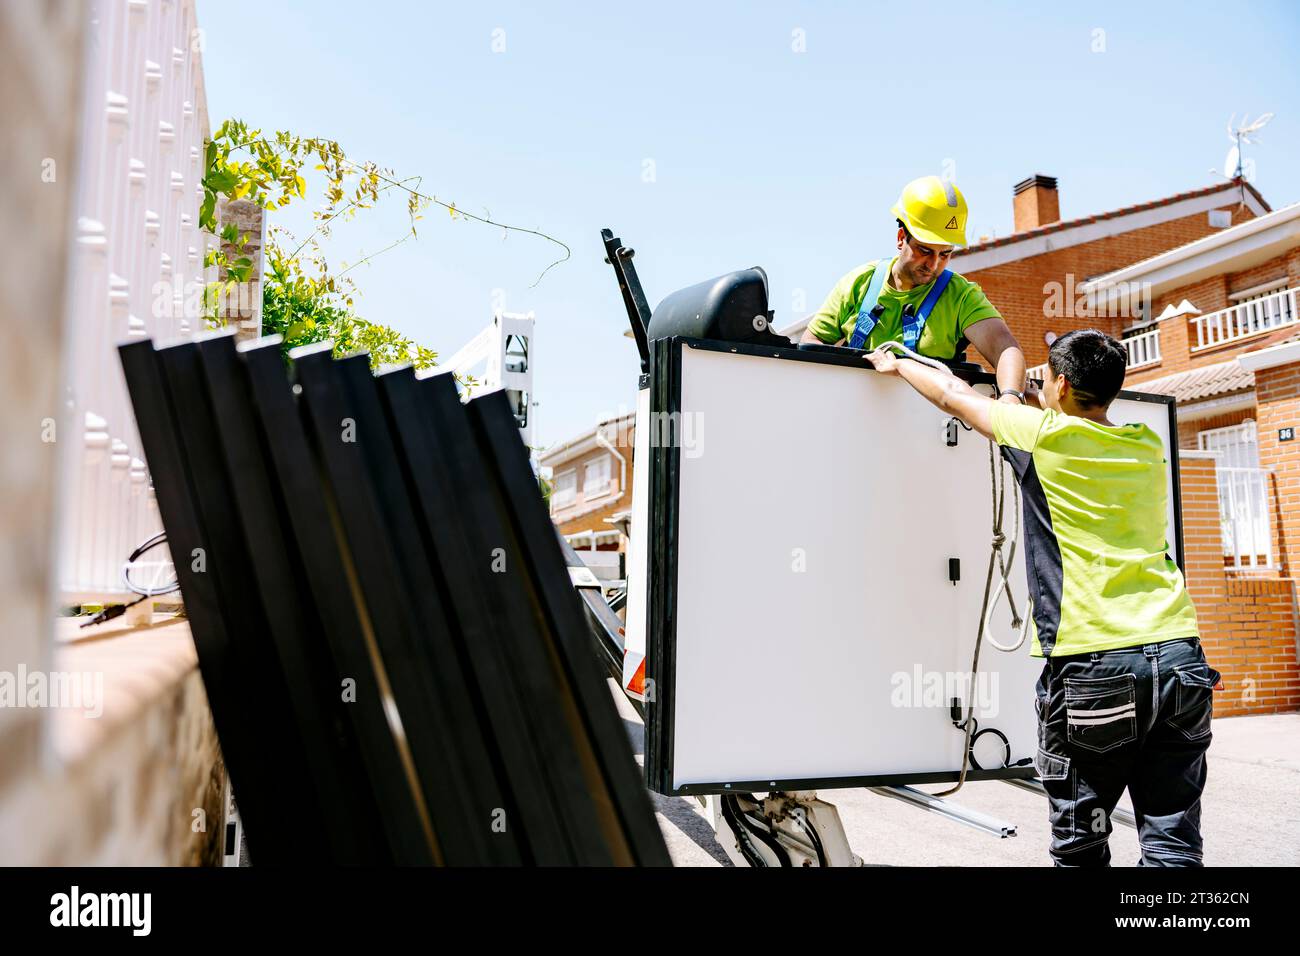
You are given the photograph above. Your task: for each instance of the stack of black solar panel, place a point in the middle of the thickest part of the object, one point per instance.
(398, 668)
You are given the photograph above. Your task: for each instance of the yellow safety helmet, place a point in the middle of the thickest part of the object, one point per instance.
(933, 210)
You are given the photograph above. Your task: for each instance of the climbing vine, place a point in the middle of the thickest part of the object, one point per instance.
(303, 300)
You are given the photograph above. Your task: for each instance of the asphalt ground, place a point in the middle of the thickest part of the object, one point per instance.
(1250, 813)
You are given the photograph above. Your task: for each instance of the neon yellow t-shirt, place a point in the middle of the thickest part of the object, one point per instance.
(962, 304)
(1096, 532)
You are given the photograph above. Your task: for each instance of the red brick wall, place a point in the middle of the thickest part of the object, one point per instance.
(1034, 207)
(1208, 295)
(1277, 407)
(1248, 625)
(1269, 271)
(1277, 395)
(1018, 288)
(1258, 647)
(1175, 352)
(1188, 430)
(1178, 335)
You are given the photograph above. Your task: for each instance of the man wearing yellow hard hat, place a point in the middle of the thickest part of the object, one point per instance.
(913, 297)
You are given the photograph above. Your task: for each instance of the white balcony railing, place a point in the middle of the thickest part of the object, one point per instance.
(1246, 318)
(1244, 513)
(1143, 349)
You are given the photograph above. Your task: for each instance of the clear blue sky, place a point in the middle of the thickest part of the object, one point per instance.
(762, 155)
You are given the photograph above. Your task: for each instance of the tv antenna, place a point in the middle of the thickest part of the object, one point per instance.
(1247, 133)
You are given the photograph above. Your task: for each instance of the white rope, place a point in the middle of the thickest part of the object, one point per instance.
(997, 559)
(900, 347)
(999, 480)
(1002, 563)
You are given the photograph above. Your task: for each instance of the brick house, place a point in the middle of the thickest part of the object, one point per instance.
(1037, 276)
(1224, 340)
(592, 493)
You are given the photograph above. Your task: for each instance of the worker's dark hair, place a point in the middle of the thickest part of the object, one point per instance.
(1092, 362)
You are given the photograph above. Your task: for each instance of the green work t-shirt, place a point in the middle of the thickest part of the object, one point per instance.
(1096, 532)
(962, 304)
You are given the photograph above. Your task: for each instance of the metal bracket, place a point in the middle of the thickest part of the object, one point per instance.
(952, 811)
(638, 310)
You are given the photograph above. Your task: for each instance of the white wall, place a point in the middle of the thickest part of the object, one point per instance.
(136, 259)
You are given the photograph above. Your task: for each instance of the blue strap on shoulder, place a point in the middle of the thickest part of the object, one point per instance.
(868, 316)
(914, 325)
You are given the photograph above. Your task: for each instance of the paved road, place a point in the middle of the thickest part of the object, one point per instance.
(1250, 811)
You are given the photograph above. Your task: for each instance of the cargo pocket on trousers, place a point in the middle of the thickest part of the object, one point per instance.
(1051, 766)
(1100, 712)
(1193, 706)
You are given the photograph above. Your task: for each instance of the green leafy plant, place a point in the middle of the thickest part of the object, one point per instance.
(546, 486)
(302, 300)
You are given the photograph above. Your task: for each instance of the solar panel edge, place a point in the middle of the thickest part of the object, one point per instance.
(329, 746)
(155, 420)
(568, 625)
(316, 537)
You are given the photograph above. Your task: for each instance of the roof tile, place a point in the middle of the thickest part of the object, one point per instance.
(1222, 378)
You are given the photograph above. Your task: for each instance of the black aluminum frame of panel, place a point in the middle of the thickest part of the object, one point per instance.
(518, 675)
(661, 626)
(337, 609)
(267, 690)
(661, 565)
(481, 621)
(291, 617)
(427, 594)
(568, 629)
(446, 743)
(279, 813)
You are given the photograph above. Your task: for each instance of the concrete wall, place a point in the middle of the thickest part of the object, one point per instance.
(134, 780)
(41, 73)
(121, 785)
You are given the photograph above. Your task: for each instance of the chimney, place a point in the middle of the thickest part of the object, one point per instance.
(1036, 203)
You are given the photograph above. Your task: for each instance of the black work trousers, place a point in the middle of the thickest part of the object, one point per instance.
(1136, 717)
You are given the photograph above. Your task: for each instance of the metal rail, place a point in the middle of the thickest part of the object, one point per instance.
(1035, 785)
(949, 810)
